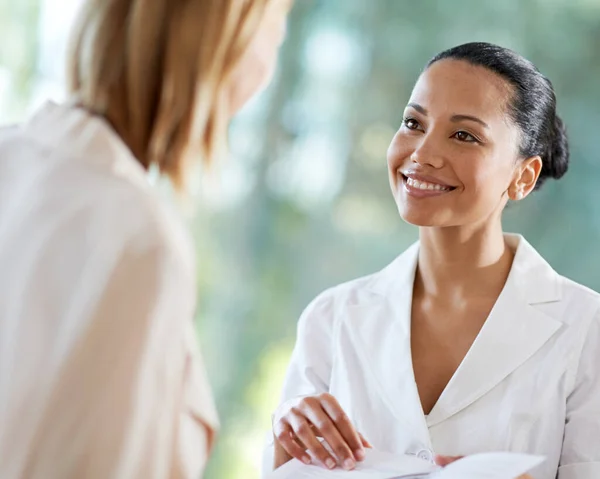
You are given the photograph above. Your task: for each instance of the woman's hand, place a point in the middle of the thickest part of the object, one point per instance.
(445, 460)
(299, 423)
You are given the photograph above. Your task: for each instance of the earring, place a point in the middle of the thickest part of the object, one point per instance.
(519, 195)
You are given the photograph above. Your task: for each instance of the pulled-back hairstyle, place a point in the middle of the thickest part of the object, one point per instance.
(532, 106)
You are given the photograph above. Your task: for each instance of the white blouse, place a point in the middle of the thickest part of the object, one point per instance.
(100, 373)
(529, 383)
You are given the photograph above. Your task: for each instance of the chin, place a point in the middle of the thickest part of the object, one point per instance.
(419, 217)
(418, 221)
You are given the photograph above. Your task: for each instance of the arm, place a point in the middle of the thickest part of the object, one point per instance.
(307, 411)
(310, 366)
(580, 458)
(309, 369)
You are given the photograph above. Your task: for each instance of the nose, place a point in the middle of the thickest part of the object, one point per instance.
(427, 153)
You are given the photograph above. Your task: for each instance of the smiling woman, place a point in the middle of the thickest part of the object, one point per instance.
(481, 128)
(446, 349)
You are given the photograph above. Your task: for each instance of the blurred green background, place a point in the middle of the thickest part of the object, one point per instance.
(303, 203)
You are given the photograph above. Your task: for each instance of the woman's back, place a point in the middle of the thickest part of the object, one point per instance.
(97, 297)
(100, 376)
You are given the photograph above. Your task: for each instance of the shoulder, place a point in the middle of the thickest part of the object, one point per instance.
(398, 274)
(542, 287)
(577, 308)
(579, 304)
(333, 304)
(573, 291)
(322, 316)
(580, 312)
(88, 216)
(344, 294)
(135, 224)
(80, 179)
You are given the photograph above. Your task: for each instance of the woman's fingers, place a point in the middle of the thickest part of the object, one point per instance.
(445, 460)
(286, 445)
(329, 432)
(303, 421)
(343, 425)
(364, 442)
(303, 431)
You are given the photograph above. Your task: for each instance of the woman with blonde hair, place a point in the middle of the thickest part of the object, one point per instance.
(100, 374)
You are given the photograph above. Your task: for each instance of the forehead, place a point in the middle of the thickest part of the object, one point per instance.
(461, 88)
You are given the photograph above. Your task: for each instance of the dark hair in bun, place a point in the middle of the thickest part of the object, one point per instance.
(532, 107)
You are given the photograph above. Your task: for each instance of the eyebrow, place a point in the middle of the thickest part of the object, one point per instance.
(455, 118)
(419, 108)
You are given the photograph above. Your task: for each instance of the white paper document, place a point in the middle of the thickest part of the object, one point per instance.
(380, 465)
(491, 465)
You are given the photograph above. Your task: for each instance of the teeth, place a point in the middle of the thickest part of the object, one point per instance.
(423, 185)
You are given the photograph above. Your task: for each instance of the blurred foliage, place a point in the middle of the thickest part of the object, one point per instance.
(304, 204)
(18, 54)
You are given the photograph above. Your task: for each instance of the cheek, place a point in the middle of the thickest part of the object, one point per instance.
(399, 150)
(486, 176)
(393, 163)
(257, 66)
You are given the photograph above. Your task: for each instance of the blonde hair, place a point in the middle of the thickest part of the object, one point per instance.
(158, 71)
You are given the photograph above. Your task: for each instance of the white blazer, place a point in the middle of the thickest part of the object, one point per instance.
(530, 382)
(100, 373)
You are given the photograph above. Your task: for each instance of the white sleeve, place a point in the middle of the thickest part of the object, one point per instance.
(310, 366)
(580, 458)
(128, 398)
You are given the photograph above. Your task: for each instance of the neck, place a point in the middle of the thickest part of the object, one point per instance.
(460, 262)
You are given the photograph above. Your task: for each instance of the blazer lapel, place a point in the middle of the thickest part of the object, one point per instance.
(514, 332)
(379, 327)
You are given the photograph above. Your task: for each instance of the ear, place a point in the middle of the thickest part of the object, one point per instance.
(526, 176)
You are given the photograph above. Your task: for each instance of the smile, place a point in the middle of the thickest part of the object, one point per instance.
(423, 185)
(424, 189)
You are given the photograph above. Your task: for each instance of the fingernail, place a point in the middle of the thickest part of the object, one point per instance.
(330, 463)
(360, 454)
(306, 460)
(349, 464)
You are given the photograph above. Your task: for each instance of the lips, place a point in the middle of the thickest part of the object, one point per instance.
(422, 186)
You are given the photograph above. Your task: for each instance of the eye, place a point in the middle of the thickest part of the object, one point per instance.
(410, 123)
(465, 137)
